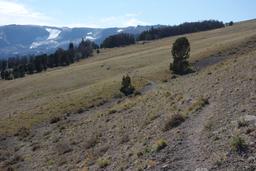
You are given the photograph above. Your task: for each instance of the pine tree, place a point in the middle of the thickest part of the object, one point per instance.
(71, 52)
(127, 87)
(21, 71)
(30, 68)
(85, 48)
(2, 74)
(8, 74)
(38, 64)
(180, 53)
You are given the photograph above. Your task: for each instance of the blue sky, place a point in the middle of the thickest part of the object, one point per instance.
(122, 13)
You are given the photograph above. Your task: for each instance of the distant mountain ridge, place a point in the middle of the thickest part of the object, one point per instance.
(32, 39)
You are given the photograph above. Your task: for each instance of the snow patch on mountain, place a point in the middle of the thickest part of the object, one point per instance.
(43, 43)
(53, 33)
(120, 30)
(89, 38)
(90, 33)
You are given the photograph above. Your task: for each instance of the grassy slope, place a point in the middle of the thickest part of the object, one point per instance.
(38, 97)
(123, 132)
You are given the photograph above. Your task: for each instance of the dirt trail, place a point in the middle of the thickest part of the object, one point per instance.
(192, 145)
(149, 87)
(187, 153)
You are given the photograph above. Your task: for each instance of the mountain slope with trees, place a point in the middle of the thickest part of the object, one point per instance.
(167, 31)
(18, 67)
(159, 32)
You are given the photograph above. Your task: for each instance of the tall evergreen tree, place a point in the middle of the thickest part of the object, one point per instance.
(85, 48)
(38, 64)
(71, 52)
(30, 68)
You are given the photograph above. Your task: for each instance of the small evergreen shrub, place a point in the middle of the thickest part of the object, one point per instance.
(127, 87)
(231, 23)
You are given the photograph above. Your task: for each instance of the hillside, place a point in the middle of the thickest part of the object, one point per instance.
(74, 118)
(29, 39)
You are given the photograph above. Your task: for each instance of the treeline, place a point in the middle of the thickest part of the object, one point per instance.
(124, 39)
(118, 40)
(167, 31)
(18, 67)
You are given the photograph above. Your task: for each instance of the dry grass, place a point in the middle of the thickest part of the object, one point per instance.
(159, 145)
(198, 105)
(39, 97)
(173, 121)
(102, 162)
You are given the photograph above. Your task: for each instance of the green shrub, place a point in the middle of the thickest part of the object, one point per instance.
(238, 144)
(159, 145)
(127, 87)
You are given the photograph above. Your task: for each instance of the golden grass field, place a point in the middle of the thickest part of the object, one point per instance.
(27, 101)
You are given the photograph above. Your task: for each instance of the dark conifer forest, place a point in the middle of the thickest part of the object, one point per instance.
(17, 67)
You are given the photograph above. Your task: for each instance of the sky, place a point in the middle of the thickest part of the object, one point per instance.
(122, 13)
